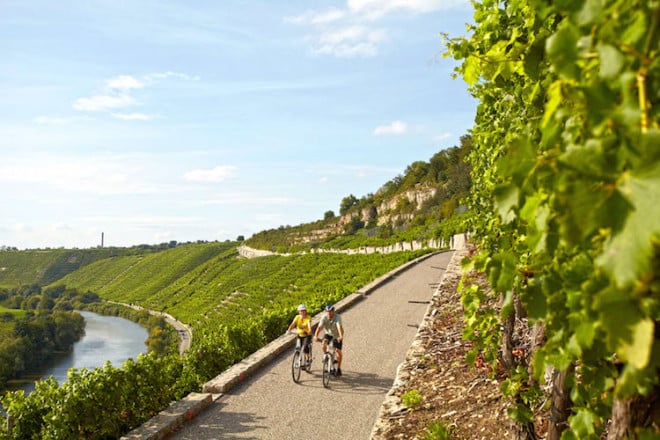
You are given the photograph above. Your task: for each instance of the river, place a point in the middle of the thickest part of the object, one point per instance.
(107, 338)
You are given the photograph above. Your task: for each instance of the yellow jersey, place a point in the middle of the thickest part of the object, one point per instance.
(303, 325)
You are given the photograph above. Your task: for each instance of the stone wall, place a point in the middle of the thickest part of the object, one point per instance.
(457, 242)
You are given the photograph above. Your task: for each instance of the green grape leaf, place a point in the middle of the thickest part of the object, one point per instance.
(591, 11)
(638, 29)
(583, 423)
(585, 333)
(611, 61)
(535, 214)
(573, 347)
(562, 49)
(506, 198)
(587, 158)
(533, 60)
(555, 98)
(535, 301)
(568, 5)
(471, 70)
(638, 351)
(649, 144)
(629, 333)
(628, 255)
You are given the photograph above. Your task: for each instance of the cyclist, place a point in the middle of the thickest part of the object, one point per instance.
(303, 325)
(333, 330)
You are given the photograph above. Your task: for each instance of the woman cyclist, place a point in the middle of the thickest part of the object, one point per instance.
(303, 325)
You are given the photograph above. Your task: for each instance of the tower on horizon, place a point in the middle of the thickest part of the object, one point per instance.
(102, 239)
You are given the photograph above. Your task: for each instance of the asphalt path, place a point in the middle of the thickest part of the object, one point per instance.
(379, 331)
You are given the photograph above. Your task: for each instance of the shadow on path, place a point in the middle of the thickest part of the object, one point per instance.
(240, 423)
(350, 382)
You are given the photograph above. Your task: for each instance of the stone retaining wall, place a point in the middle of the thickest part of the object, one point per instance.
(456, 242)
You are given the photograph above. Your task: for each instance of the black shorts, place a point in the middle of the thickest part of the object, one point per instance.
(335, 342)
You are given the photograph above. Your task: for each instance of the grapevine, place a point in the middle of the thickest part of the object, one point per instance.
(566, 181)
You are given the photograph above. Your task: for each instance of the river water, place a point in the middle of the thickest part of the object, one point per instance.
(107, 338)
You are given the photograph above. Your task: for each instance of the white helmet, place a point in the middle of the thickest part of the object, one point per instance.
(302, 307)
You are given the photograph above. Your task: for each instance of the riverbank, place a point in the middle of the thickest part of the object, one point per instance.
(184, 330)
(106, 338)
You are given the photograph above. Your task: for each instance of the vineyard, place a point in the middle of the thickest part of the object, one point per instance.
(44, 266)
(566, 180)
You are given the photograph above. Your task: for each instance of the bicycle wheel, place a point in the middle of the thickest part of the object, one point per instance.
(311, 359)
(327, 370)
(296, 365)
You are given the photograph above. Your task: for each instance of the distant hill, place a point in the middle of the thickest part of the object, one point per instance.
(45, 266)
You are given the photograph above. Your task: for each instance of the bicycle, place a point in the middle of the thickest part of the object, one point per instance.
(298, 361)
(329, 363)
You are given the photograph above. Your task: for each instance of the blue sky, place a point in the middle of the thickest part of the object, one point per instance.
(153, 121)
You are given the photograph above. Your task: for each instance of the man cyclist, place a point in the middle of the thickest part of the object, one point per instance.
(333, 330)
(303, 325)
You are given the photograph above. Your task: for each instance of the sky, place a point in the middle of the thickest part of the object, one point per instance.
(151, 121)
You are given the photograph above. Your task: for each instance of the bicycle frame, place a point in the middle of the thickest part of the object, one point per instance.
(298, 360)
(329, 363)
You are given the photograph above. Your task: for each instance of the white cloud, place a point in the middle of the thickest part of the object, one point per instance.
(217, 174)
(170, 74)
(124, 82)
(132, 116)
(349, 32)
(103, 102)
(328, 16)
(55, 120)
(317, 18)
(375, 9)
(350, 42)
(118, 93)
(393, 128)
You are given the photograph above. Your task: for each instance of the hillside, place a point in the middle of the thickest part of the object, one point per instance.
(418, 205)
(44, 266)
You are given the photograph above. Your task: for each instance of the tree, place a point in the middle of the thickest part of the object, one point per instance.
(329, 215)
(354, 225)
(240, 238)
(347, 203)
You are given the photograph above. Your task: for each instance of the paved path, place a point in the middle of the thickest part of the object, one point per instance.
(379, 330)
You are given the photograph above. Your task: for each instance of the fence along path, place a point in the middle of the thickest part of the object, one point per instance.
(379, 330)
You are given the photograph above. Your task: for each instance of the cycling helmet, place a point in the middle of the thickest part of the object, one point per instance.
(329, 308)
(302, 307)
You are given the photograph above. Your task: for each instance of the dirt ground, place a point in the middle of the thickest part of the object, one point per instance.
(463, 399)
